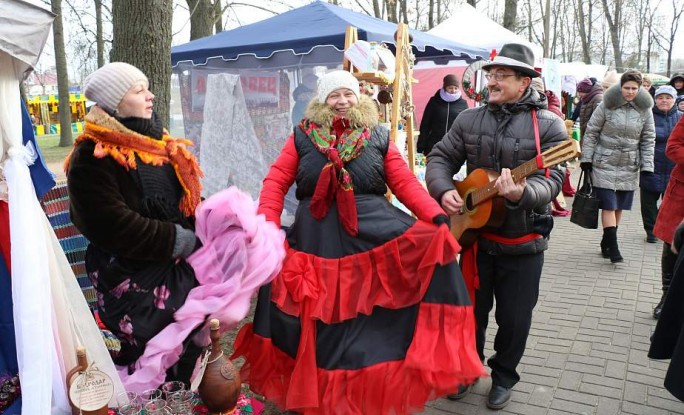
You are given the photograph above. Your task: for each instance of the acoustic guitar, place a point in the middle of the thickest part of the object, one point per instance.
(482, 207)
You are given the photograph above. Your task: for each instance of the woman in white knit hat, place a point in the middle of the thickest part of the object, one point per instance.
(133, 192)
(370, 314)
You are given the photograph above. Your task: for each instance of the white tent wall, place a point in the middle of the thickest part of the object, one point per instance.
(470, 27)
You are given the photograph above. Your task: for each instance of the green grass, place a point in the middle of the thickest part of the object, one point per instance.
(49, 147)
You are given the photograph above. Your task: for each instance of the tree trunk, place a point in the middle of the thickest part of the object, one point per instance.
(376, 9)
(674, 26)
(142, 37)
(510, 15)
(403, 10)
(65, 137)
(431, 14)
(218, 16)
(98, 33)
(201, 18)
(547, 29)
(392, 10)
(614, 27)
(584, 34)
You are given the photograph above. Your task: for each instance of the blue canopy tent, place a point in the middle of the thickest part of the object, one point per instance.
(241, 129)
(306, 30)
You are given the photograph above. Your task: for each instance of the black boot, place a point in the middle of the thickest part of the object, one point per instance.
(605, 249)
(667, 263)
(611, 240)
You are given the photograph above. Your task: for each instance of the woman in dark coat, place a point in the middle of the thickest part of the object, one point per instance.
(133, 192)
(370, 314)
(652, 185)
(440, 112)
(591, 95)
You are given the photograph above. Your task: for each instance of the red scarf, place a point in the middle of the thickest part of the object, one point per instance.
(335, 182)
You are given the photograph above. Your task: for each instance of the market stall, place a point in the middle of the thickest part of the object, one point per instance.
(270, 64)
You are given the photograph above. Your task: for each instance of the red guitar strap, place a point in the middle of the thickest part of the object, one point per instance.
(537, 142)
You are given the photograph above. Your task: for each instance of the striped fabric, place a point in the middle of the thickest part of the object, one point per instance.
(55, 203)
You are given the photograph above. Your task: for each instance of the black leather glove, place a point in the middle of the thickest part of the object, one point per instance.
(586, 167)
(646, 173)
(442, 219)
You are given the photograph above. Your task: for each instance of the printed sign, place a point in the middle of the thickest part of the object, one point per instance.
(91, 390)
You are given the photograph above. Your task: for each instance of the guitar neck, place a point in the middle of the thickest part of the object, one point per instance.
(489, 191)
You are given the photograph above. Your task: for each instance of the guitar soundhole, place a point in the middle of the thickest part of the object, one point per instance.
(469, 202)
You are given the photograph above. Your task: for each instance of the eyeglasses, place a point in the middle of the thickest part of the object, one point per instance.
(497, 76)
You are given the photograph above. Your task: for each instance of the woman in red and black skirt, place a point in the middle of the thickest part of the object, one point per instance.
(370, 314)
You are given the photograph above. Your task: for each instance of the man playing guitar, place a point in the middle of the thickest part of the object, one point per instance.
(513, 128)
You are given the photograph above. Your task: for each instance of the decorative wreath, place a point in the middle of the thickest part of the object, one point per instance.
(468, 80)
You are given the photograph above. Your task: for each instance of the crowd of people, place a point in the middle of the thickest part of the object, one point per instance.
(372, 310)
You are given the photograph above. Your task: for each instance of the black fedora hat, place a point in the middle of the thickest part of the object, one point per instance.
(516, 56)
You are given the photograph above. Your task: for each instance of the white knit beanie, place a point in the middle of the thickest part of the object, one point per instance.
(336, 80)
(108, 85)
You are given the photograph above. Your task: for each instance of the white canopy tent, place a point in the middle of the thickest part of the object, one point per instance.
(468, 26)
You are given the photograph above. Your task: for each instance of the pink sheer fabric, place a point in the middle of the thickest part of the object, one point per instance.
(241, 252)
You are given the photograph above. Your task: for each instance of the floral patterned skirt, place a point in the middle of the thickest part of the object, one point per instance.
(137, 299)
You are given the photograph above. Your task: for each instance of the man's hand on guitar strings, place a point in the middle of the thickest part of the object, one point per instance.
(452, 202)
(508, 188)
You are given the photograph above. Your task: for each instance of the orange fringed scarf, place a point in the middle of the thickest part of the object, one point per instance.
(123, 147)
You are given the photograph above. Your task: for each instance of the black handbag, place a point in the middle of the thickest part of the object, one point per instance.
(585, 207)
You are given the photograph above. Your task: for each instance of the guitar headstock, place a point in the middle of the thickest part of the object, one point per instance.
(567, 150)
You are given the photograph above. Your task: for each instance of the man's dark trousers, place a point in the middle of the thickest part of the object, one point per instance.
(513, 280)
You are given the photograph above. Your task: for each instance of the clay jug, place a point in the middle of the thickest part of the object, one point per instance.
(72, 376)
(220, 385)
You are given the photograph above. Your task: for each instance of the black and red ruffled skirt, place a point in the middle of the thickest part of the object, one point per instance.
(374, 324)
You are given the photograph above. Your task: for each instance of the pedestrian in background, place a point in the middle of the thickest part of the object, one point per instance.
(619, 142)
(591, 95)
(652, 186)
(609, 79)
(671, 211)
(440, 112)
(647, 84)
(677, 81)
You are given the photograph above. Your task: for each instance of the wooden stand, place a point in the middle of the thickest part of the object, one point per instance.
(402, 96)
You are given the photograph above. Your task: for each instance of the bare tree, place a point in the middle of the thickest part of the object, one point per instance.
(142, 37)
(666, 40)
(99, 39)
(65, 137)
(614, 20)
(218, 16)
(510, 15)
(547, 29)
(201, 18)
(584, 27)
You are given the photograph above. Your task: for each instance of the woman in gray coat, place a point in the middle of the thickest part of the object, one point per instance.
(619, 142)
